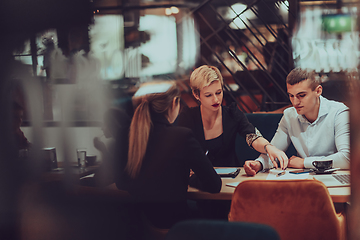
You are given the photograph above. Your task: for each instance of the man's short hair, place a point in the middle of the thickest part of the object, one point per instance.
(298, 75)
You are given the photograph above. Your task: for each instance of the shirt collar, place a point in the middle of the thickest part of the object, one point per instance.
(323, 111)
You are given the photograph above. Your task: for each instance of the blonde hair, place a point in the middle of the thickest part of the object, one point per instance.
(159, 102)
(204, 76)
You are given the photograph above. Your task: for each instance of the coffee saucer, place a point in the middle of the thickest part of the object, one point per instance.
(326, 171)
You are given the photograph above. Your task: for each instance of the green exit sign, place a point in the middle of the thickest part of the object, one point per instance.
(337, 23)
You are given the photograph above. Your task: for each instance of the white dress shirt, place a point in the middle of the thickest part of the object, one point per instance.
(328, 137)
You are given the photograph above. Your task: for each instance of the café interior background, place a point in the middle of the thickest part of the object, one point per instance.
(85, 69)
(67, 61)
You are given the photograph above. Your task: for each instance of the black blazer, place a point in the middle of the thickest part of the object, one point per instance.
(234, 121)
(164, 175)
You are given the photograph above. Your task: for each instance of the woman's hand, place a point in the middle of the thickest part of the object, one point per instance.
(263, 146)
(274, 153)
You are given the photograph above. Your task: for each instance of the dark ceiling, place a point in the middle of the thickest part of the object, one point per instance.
(165, 3)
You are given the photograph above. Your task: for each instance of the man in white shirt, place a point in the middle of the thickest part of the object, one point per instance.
(317, 127)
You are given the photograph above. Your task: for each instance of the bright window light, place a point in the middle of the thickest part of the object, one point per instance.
(161, 49)
(174, 10)
(190, 43)
(107, 45)
(168, 11)
(239, 22)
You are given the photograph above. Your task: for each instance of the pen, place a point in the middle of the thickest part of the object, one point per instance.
(207, 151)
(281, 173)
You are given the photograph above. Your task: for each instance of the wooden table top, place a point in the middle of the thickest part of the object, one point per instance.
(338, 194)
(59, 173)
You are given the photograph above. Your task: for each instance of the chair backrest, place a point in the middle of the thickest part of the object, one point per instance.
(297, 209)
(220, 230)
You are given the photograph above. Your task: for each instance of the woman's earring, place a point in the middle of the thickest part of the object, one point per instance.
(196, 98)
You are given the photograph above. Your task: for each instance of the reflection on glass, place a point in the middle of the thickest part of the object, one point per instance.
(107, 45)
(161, 49)
(327, 41)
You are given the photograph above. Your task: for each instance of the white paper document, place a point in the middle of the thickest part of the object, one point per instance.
(90, 175)
(232, 184)
(275, 174)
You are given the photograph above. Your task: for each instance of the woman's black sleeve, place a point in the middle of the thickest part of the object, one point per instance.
(185, 118)
(205, 177)
(244, 126)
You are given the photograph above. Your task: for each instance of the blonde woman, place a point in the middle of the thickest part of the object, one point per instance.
(160, 157)
(215, 126)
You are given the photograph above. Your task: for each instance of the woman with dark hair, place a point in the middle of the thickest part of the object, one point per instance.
(160, 157)
(115, 129)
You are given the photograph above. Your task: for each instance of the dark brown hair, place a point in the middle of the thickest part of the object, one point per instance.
(298, 75)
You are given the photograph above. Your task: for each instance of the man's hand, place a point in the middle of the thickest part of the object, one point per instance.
(252, 167)
(274, 153)
(296, 162)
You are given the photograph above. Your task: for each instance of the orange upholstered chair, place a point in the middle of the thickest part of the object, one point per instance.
(296, 209)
